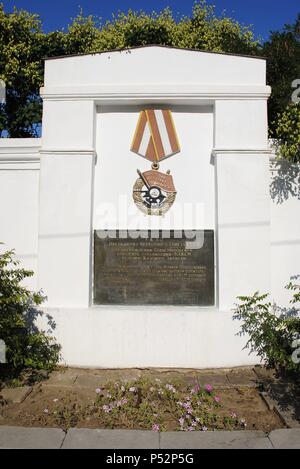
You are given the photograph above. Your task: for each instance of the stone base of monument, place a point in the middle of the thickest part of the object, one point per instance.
(149, 336)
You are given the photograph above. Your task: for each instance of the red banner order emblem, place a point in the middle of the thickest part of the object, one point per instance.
(161, 180)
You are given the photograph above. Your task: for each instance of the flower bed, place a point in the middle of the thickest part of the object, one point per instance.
(149, 404)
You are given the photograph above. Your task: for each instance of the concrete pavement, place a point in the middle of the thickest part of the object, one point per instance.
(76, 438)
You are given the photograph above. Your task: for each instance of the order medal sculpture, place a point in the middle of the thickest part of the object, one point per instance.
(155, 139)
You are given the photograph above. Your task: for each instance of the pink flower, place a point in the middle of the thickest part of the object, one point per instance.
(155, 427)
(46, 411)
(181, 421)
(106, 408)
(186, 405)
(217, 399)
(170, 387)
(233, 415)
(204, 429)
(208, 388)
(97, 390)
(195, 389)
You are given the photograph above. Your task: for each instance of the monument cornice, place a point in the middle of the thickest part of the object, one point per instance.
(241, 151)
(20, 153)
(188, 92)
(68, 152)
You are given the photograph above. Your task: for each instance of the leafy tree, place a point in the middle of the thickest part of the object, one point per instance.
(203, 30)
(26, 346)
(23, 46)
(283, 67)
(21, 69)
(287, 129)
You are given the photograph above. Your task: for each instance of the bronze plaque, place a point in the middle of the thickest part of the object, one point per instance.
(160, 269)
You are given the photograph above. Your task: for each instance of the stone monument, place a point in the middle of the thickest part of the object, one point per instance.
(144, 209)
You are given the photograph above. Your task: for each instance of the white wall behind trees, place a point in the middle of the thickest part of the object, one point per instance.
(285, 229)
(19, 200)
(91, 105)
(19, 203)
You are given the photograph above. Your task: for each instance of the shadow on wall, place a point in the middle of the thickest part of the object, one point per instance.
(292, 311)
(31, 316)
(285, 181)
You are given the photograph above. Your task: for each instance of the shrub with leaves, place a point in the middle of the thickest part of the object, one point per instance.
(26, 345)
(271, 336)
(288, 132)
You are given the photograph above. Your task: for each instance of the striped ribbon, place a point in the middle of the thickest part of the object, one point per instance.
(155, 136)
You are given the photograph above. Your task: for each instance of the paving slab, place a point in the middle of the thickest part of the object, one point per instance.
(217, 380)
(85, 438)
(177, 377)
(91, 381)
(285, 439)
(242, 377)
(286, 401)
(265, 375)
(215, 440)
(62, 378)
(30, 438)
(16, 395)
(96, 378)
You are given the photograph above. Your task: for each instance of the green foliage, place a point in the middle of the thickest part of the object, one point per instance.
(271, 336)
(26, 346)
(21, 68)
(202, 30)
(24, 45)
(283, 67)
(296, 292)
(288, 131)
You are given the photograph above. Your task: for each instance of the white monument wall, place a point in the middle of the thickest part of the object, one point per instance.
(19, 200)
(91, 106)
(285, 230)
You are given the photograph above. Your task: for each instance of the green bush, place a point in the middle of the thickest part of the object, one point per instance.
(26, 345)
(272, 336)
(288, 133)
